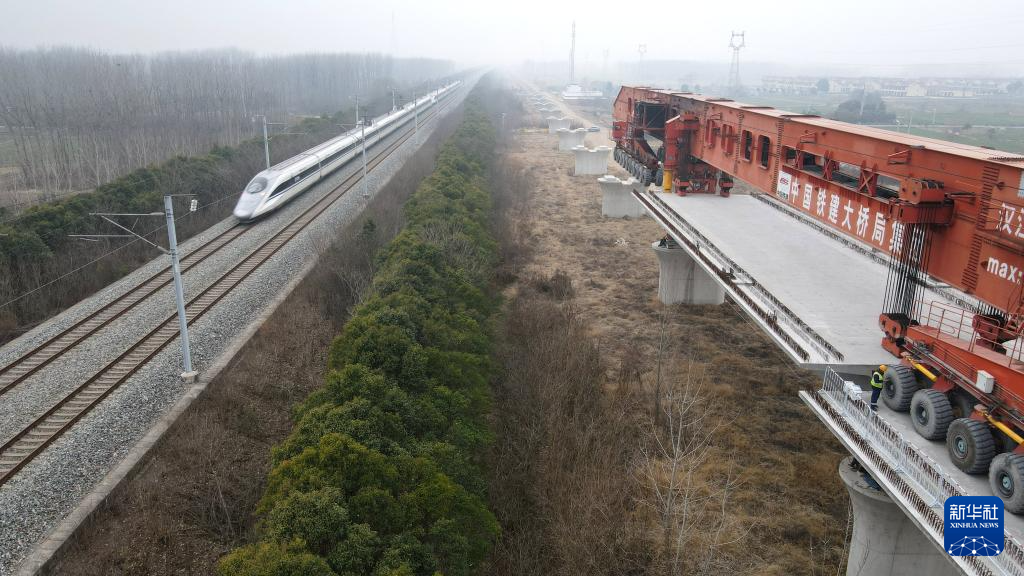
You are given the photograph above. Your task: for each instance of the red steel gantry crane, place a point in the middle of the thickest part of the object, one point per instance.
(943, 212)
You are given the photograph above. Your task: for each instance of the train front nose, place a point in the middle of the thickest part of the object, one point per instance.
(247, 205)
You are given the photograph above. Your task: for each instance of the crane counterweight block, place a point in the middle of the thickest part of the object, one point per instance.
(919, 191)
(939, 214)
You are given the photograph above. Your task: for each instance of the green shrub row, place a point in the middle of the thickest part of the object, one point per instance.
(382, 474)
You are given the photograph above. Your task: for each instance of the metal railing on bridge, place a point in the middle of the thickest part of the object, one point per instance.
(917, 478)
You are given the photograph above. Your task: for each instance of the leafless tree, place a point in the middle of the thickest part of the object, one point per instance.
(692, 512)
(77, 118)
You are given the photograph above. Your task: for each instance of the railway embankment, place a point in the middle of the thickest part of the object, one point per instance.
(47, 494)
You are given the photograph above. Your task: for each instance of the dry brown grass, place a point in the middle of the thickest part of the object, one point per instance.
(192, 499)
(785, 503)
(561, 486)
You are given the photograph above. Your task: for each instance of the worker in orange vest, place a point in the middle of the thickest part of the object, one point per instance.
(876, 385)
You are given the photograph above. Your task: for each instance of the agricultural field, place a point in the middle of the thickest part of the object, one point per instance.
(992, 122)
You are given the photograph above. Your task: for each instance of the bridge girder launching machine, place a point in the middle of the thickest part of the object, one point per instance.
(950, 218)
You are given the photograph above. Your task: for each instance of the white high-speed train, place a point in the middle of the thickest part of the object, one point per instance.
(274, 187)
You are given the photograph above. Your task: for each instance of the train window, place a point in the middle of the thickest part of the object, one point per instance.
(257, 185)
(764, 147)
(748, 145)
(339, 154)
(282, 188)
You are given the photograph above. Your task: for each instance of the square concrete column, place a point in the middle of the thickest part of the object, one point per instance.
(590, 160)
(617, 199)
(569, 139)
(885, 542)
(682, 281)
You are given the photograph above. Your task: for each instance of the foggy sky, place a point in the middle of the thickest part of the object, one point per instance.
(863, 35)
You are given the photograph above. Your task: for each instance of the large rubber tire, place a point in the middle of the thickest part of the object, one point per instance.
(962, 403)
(1006, 478)
(970, 445)
(931, 414)
(898, 387)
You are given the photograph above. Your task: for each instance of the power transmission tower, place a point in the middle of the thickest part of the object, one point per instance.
(736, 41)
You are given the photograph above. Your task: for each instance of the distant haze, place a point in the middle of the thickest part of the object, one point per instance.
(874, 37)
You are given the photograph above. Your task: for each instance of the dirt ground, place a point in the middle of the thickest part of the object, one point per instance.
(790, 498)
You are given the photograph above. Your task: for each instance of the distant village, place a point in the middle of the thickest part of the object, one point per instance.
(894, 87)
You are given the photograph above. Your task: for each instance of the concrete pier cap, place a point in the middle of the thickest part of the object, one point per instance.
(885, 541)
(681, 280)
(569, 139)
(617, 200)
(555, 124)
(591, 161)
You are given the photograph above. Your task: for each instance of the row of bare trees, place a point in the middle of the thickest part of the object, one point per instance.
(77, 118)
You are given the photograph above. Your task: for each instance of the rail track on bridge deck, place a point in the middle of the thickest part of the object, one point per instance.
(31, 441)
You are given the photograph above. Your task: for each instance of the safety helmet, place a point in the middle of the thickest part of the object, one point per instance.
(882, 367)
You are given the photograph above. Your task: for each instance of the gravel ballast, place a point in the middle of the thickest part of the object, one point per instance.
(48, 488)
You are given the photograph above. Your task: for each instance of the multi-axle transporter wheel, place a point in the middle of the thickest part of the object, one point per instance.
(970, 445)
(1006, 477)
(898, 388)
(931, 413)
(963, 403)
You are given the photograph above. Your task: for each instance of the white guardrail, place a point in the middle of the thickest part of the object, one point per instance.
(917, 480)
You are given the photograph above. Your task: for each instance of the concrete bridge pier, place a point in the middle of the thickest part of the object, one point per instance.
(569, 139)
(617, 199)
(682, 281)
(885, 542)
(555, 124)
(590, 161)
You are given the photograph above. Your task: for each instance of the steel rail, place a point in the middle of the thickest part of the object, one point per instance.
(19, 369)
(44, 430)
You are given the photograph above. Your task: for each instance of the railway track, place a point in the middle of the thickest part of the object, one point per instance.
(40, 356)
(35, 359)
(34, 438)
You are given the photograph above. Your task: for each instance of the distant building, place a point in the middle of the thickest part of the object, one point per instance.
(889, 87)
(576, 92)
